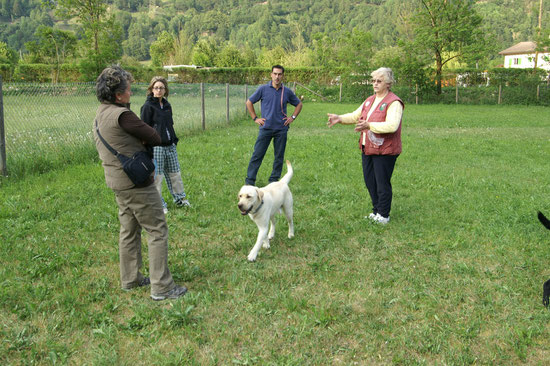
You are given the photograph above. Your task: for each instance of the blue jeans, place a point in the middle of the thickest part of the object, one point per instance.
(262, 143)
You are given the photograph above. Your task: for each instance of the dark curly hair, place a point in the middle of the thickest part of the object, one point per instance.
(154, 80)
(112, 80)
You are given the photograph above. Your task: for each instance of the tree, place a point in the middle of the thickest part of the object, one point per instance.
(162, 48)
(109, 50)
(323, 48)
(90, 13)
(7, 55)
(205, 52)
(6, 7)
(272, 57)
(543, 43)
(230, 56)
(52, 46)
(102, 34)
(355, 50)
(183, 49)
(139, 32)
(448, 29)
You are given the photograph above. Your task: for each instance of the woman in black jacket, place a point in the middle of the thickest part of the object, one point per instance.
(157, 113)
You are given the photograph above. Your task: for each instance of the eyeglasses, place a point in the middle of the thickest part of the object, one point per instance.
(374, 81)
(159, 88)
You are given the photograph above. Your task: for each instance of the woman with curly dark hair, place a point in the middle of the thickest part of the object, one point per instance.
(139, 206)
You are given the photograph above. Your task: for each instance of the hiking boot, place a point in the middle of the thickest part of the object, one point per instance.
(182, 202)
(174, 293)
(144, 282)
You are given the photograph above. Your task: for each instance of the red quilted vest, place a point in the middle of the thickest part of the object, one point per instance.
(380, 143)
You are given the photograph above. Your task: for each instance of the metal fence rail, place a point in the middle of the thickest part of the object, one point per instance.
(46, 124)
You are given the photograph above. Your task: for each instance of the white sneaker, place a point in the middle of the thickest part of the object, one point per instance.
(371, 216)
(381, 219)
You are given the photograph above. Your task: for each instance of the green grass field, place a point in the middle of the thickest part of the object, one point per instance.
(455, 278)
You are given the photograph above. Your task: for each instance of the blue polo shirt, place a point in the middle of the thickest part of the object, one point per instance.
(271, 104)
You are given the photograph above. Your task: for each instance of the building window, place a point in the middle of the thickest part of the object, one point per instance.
(517, 61)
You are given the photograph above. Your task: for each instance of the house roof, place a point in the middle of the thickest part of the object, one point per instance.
(520, 48)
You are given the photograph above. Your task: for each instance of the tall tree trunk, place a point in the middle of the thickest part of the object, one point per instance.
(438, 71)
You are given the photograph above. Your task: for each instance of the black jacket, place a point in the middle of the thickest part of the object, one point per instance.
(160, 119)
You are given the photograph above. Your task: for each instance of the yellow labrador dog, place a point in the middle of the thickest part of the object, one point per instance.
(261, 204)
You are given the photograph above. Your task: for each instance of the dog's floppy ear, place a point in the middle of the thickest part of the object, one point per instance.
(260, 194)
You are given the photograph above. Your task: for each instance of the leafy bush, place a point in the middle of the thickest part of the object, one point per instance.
(6, 70)
(33, 73)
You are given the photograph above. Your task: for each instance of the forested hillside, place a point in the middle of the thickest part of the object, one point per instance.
(248, 33)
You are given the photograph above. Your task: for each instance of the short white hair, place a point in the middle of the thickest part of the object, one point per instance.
(385, 73)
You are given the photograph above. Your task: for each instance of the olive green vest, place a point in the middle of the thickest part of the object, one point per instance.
(107, 120)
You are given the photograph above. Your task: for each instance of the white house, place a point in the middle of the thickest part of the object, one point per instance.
(522, 56)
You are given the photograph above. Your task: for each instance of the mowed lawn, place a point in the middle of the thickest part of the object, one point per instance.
(455, 278)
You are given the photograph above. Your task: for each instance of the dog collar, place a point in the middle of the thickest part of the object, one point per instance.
(260, 206)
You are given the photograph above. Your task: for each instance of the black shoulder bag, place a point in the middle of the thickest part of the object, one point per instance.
(138, 168)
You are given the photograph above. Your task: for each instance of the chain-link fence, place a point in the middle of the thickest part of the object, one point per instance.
(46, 125)
(530, 94)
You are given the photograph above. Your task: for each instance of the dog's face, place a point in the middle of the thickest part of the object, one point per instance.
(249, 198)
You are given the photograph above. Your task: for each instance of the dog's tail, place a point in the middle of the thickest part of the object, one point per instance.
(289, 173)
(544, 220)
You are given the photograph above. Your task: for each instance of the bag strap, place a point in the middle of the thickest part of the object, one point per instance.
(109, 147)
(282, 95)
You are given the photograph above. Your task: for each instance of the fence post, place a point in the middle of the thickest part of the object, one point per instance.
(538, 92)
(416, 94)
(340, 97)
(227, 102)
(203, 116)
(499, 92)
(456, 87)
(3, 168)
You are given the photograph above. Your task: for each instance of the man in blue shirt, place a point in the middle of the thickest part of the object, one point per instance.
(274, 123)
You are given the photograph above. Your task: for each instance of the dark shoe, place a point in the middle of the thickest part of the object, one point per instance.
(174, 293)
(183, 203)
(144, 282)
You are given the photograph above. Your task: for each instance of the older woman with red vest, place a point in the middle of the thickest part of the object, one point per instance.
(378, 119)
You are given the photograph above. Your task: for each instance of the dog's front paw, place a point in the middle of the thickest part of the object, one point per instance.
(290, 235)
(266, 244)
(251, 257)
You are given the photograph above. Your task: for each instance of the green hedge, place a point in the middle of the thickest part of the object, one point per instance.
(6, 70)
(45, 73)
(144, 74)
(253, 75)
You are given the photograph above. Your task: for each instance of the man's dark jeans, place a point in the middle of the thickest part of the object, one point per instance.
(262, 143)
